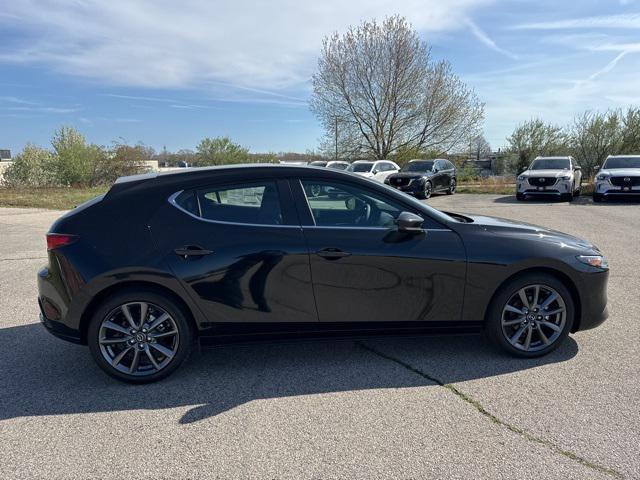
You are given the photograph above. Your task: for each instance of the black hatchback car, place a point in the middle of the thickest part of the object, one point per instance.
(161, 260)
(424, 177)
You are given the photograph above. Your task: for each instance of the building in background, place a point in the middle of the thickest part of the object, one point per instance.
(5, 155)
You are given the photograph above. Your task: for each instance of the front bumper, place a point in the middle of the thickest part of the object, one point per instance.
(592, 288)
(412, 188)
(606, 188)
(560, 187)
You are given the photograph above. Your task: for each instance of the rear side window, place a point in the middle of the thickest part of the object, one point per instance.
(253, 203)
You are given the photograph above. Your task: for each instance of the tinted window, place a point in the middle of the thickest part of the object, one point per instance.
(622, 162)
(360, 167)
(425, 166)
(339, 165)
(187, 200)
(256, 202)
(550, 164)
(342, 205)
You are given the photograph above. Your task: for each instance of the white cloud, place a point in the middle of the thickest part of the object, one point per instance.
(627, 20)
(488, 41)
(263, 46)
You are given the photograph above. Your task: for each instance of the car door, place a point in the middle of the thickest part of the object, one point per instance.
(239, 251)
(383, 170)
(364, 270)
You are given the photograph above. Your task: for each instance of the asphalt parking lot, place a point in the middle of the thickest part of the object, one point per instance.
(436, 407)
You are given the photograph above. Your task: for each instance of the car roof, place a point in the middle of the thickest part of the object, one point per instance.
(623, 156)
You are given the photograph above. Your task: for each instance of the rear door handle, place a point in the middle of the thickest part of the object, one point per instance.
(192, 251)
(332, 253)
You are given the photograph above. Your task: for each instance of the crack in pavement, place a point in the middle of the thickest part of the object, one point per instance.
(481, 409)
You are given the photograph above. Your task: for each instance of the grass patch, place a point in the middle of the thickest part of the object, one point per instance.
(51, 198)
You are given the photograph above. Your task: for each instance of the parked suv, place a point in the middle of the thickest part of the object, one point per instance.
(620, 175)
(557, 176)
(374, 169)
(423, 177)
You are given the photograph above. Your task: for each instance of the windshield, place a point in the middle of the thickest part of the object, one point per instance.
(360, 167)
(417, 167)
(622, 162)
(550, 164)
(318, 163)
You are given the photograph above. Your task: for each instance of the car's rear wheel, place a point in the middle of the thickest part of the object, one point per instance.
(531, 315)
(139, 336)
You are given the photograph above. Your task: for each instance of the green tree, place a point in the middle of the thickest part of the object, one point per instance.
(535, 138)
(31, 168)
(631, 131)
(121, 160)
(594, 136)
(220, 151)
(75, 162)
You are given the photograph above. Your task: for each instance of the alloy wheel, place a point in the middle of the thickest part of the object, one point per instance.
(427, 190)
(452, 186)
(533, 318)
(138, 338)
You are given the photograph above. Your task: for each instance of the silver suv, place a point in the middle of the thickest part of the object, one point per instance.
(557, 176)
(620, 175)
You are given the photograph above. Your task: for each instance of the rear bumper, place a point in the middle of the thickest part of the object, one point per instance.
(53, 303)
(60, 330)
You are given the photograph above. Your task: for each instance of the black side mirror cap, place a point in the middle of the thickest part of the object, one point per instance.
(409, 222)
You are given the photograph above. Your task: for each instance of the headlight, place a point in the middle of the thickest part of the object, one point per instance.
(597, 261)
(522, 178)
(602, 176)
(566, 177)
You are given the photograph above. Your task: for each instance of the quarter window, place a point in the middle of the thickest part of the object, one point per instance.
(256, 203)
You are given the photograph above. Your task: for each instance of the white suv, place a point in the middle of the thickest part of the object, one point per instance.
(374, 169)
(557, 176)
(619, 175)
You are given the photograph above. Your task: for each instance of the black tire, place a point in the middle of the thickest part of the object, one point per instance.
(597, 198)
(567, 197)
(578, 191)
(452, 187)
(156, 303)
(426, 192)
(520, 197)
(493, 327)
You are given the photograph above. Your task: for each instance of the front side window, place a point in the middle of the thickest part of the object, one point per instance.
(255, 203)
(342, 205)
(425, 166)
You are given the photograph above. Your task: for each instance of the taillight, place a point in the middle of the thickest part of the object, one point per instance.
(55, 240)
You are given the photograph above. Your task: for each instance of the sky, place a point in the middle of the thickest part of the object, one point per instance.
(169, 73)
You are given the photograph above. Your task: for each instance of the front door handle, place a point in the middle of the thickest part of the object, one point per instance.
(332, 253)
(192, 251)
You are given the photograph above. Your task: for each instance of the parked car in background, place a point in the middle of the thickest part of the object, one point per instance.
(160, 260)
(374, 169)
(619, 175)
(337, 164)
(555, 176)
(424, 177)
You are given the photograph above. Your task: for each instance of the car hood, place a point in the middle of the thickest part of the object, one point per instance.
(546, 173)
(364, 174)
(621, 172)
(511, 227)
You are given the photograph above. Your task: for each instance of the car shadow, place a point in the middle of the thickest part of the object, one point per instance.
(41, 375)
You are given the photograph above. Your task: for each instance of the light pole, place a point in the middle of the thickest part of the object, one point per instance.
(336, 137)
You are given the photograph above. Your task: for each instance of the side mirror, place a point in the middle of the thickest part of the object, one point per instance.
(374, 171)
(409, 222)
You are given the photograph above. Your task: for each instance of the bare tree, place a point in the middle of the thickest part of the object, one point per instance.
(479, 148)
(386, 92)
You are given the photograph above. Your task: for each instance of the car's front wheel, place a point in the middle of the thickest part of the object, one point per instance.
(139, 336)
(426, 191)
(452, 187)
(531, 315)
